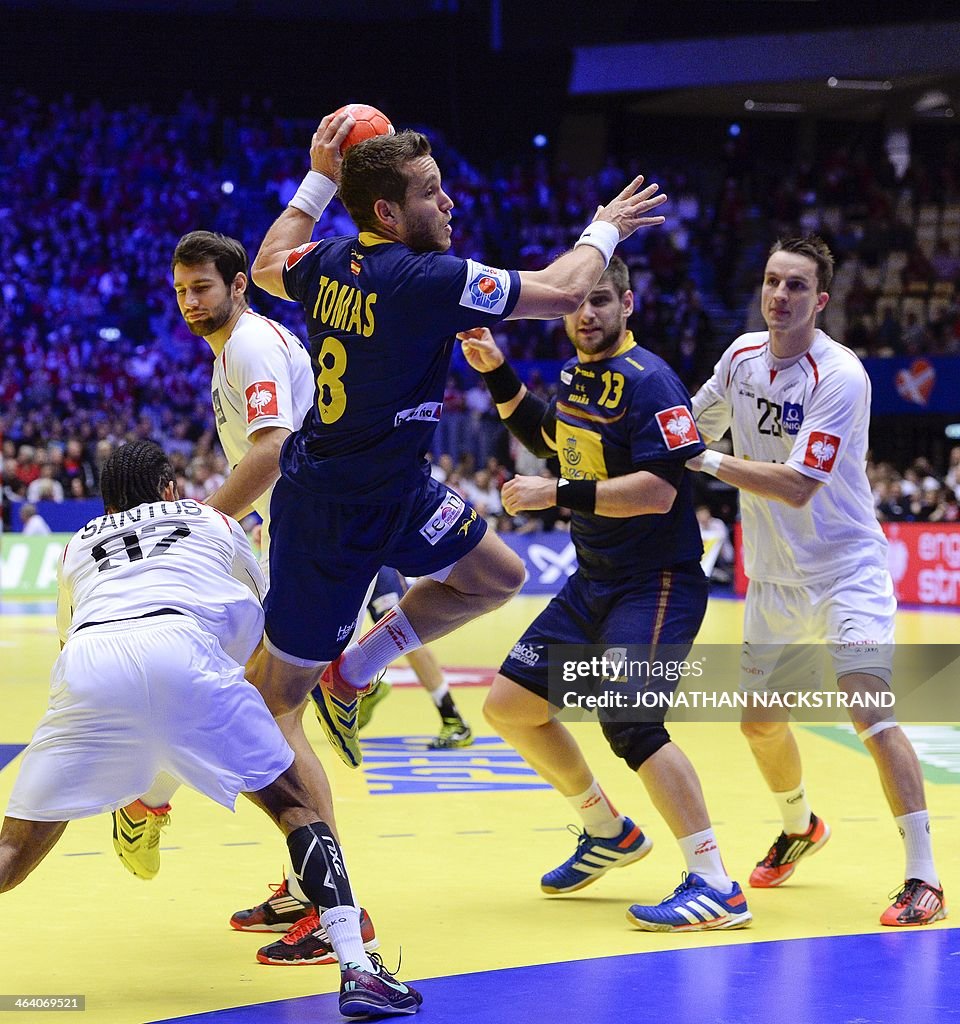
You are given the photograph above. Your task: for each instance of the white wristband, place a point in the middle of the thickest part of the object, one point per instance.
(603, 236)
(711, 462)
(315, 192)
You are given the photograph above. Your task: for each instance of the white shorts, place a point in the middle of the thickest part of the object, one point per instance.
(851, 618)
(131, 699)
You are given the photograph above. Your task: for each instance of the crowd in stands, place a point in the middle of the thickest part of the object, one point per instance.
(93, 350)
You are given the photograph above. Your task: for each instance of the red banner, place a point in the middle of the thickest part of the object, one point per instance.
(924, 560)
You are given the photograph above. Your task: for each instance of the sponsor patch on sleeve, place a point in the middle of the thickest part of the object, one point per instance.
(487, 288)
(296, 255)
(821, 451)
(261, 399)
(677, 427)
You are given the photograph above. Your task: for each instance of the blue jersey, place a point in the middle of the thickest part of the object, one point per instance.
(381, 320)
(617, 416)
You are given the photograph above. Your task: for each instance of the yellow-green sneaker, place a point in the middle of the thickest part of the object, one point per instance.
(453, 733)
(337, 704)
(368, 703)
(136, 837)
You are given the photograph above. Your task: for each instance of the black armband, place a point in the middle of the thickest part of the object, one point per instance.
(579, 495)
(528, 423)
(502, 383)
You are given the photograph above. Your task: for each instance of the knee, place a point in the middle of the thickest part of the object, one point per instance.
(885, 730)
(496, 712)
(508, 577)
(509, 707)
(636, 742)
(759, 733)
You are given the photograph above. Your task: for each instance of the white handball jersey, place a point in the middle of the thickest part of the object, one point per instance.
(180, 555)
(262, 378)
(811, 413)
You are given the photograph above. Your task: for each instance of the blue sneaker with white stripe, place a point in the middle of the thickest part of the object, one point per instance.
(693, 906)
(595, 857)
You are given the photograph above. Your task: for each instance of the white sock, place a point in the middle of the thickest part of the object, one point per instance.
(915, 832)
(440, 692)
(794, 809)
(161, 790)
(600, 818)
(390, 637)
(343, 928)
(293, 886)
(702, 855)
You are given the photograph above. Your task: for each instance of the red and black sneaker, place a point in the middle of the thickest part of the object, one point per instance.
(917, 903)
(376, 992)
(279, 913)
(781, 859)
(308, 943)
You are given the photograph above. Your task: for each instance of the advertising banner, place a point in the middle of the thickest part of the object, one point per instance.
(924, 561)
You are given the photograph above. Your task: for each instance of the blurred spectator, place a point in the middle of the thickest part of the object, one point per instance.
(32, 524)
(45, 487)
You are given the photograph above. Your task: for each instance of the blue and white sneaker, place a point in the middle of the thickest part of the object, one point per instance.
(595, 857)
(693, 906)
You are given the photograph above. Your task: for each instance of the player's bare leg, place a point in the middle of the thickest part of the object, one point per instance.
(312, 772)
(482, 580)
(526, 722)
(321, 872)
(426, 668)
(897, 764)
(23, 844)
(775, 750)
(673, 787)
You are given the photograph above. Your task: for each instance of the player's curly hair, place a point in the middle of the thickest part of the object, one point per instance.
(814, 248)
(373, 169)
(226, 253)
(134, 474)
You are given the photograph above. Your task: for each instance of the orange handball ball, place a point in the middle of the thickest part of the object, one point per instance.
(369, 122)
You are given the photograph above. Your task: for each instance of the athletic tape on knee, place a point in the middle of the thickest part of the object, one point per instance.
(317, 862)
(877, 727)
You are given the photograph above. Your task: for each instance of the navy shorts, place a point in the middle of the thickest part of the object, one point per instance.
(388, 588)
(323, 556)
(664, 607)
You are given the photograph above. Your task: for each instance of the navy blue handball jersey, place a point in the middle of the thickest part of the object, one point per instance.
(381, 320)
(617, 416)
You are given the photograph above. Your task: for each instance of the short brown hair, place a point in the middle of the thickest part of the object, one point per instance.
(227, 254)
(618, 275)
(373, 169)
(814, 248)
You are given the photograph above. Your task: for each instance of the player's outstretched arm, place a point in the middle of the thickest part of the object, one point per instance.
(765, 479)
(562, 287)
(294, 227)
(253, 474)
(531, 420)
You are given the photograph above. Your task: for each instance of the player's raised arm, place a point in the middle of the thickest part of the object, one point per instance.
(294, 227)
(562, 287)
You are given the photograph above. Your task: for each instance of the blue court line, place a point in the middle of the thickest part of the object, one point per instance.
(8, 751)
(885, 978)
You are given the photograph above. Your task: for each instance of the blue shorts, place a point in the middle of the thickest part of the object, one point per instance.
(323, 556)
(664, 607)
(388, 588)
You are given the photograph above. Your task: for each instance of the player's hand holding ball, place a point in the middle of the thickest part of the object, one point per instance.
(342, 129)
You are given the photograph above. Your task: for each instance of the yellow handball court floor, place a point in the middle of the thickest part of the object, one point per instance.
(446, 851)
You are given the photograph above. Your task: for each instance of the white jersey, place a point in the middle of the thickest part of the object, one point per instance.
(178, 555)
(811, 413)
(262, 378)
